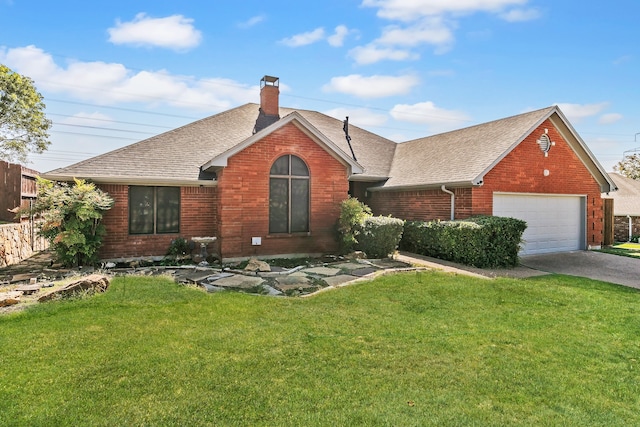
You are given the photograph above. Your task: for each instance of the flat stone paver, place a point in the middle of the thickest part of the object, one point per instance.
(389, 263)
(293, 281)
(339, 280)
(323, 271)
(364, 271)
(348, 266)
(239, 281)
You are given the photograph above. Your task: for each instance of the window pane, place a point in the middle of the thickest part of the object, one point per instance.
(168, 209)
(278, 205)
(141, 210)
(280, 166)
(299, 205)
(298, 168)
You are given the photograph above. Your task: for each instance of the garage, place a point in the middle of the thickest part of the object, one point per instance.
(555, 223)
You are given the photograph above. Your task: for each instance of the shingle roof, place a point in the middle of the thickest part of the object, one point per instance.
(627, 198)
(177, 155)
(462, 156)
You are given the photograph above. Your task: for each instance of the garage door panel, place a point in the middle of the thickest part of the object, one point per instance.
(554, 223)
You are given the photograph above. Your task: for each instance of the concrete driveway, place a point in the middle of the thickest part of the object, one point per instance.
(593, 265)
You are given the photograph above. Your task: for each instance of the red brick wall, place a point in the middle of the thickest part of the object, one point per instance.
(522, 171)
(421, 205)
(198, 217)
(243, 202)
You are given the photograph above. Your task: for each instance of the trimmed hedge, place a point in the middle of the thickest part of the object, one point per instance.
(485, 241)
(379, 236)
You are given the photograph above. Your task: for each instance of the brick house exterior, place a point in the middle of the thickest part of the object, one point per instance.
(230, 184)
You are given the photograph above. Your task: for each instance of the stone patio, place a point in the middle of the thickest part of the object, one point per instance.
(258, 277)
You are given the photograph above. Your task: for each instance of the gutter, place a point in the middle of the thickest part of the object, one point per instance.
(453, 201)
(630, 227)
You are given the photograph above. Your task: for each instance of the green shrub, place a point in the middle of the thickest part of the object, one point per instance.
(72, 219)
(379, 236)
(352, 214)
(485, 241)
(178, 246)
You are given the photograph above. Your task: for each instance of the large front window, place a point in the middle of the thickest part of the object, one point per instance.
(154, 210)
(289, 196)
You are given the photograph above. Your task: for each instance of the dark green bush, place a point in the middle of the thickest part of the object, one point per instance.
(379, 236)
(485, 241)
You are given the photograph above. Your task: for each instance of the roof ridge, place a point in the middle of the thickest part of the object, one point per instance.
(489, 123)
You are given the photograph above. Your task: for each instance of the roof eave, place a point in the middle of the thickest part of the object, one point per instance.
(125, 180)
(586, 156)
(429, 186)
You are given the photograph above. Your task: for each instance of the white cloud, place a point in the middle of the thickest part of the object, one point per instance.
(577, 112)
(431, 22)
(410, 10)
(607, 119)
(337, 39)
(371, 54)
(373, 86)
(304, 39)
(521, 15)
(438, 119)
(109, 83)
(361, 117)
(251, 21)
(428, 31)
(173, 32)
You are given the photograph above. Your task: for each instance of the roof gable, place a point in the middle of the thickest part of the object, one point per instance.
(463, 157)
(303, 124)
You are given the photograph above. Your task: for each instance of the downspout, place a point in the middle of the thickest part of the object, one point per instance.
(630, 227)
(453, 201)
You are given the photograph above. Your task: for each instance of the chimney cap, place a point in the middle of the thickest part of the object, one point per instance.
(269, 81)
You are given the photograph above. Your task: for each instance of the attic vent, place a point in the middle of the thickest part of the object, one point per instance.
(545, 143)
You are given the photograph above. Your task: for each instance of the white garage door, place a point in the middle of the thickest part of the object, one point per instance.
(554, 223)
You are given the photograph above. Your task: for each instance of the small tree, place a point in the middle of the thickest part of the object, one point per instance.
(72, 217)
(352, 215)
(629, 166)
(23, 124)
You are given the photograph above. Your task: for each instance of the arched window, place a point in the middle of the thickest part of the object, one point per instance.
(289, 195)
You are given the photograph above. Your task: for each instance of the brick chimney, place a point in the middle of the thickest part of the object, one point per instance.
(269, 94)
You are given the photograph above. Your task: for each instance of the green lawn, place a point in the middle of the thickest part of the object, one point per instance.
(413, 349)
(625, 249)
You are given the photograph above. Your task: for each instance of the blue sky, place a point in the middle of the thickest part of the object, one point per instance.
(113, 73)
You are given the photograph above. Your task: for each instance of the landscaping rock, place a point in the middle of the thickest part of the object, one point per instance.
(95, 282)
(339, 280)
(363, 271)
(239, 282)
(9, 298)
(257, 265)
(322, 271)
(29, 289)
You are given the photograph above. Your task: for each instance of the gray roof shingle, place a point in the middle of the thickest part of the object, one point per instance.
(181, 152)
(627, 198)
(461, 156)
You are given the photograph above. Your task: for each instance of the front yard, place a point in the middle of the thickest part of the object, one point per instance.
(403, 350)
